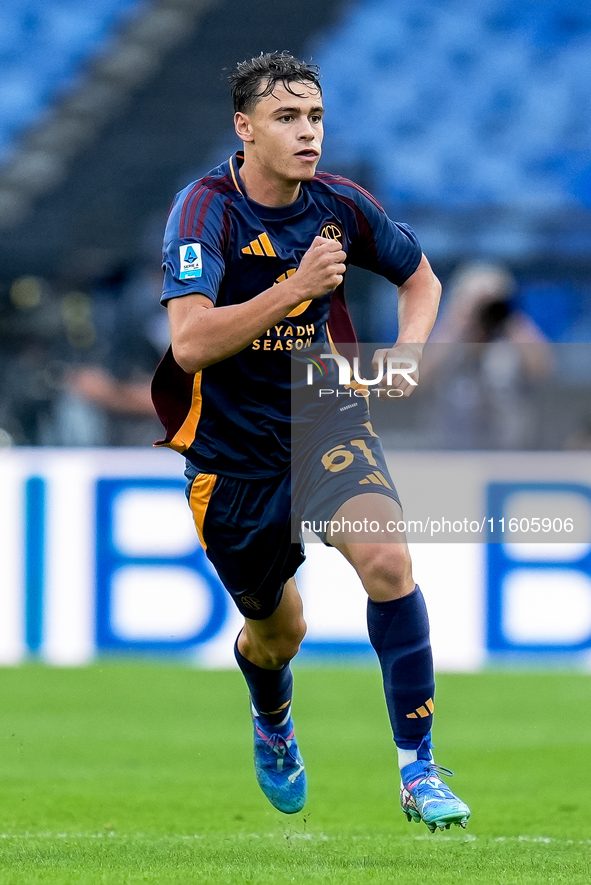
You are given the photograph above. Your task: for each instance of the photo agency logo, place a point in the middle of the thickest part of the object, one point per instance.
(389, 371)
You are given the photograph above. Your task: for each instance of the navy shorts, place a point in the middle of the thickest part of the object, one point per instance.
(250, 529)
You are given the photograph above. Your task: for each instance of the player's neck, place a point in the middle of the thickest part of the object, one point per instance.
(267, 189)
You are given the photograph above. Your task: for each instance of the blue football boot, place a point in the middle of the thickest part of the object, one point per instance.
(278, 765)
(425, 797)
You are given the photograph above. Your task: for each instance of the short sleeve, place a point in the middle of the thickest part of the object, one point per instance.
(383, 246)
(192, 258)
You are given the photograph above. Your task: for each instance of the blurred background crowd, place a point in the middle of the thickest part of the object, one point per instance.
(468, 119)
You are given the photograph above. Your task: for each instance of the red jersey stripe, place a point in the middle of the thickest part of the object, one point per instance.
(194, 194)
(338, 179)
(203, 212)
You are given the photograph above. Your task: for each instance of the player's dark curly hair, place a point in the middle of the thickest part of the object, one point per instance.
(256, 77)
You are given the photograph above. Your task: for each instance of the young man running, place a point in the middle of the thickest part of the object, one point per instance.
(254, 258)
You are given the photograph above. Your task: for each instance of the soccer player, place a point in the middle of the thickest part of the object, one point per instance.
(255, 255)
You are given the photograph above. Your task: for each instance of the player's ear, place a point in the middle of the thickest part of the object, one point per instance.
(243, 127)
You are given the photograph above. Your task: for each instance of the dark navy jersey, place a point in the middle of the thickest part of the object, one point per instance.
(234, 418)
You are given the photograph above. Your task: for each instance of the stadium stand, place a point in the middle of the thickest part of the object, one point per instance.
(42, 46)
(472, 121)
(459, 105)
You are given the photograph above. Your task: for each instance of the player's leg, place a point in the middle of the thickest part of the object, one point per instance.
(397, 617)
(398, 626)
(245, 529)
(263, 651)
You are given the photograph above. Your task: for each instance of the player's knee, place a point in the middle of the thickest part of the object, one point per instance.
(281, 646)
(292, 639)
(386, 571)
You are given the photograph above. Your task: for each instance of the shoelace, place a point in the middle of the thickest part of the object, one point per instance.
(278, 745)
(433, 769)
(439, 768)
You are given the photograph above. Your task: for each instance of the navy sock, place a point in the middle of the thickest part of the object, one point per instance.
(270, 690)
(399, 632)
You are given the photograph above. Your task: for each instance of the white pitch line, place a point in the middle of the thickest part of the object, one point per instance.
(288, 836)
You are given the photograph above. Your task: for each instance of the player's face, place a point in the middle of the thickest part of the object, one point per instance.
(285, 131)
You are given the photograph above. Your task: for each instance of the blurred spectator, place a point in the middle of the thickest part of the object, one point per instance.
(30, 333)
(484, 359)
(76, 369)
(481, 309)
(112, 392)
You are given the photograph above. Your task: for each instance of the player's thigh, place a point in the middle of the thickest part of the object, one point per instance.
(245, 528)
(367, 530)
(351, 503)
(367, 518)
(348, 465)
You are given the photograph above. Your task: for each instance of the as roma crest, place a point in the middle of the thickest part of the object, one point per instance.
(332, 232)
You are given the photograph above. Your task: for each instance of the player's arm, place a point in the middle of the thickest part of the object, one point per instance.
(202, 334)
(418, 302)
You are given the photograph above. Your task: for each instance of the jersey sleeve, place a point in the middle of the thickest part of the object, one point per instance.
(192, 257)
(383, 246)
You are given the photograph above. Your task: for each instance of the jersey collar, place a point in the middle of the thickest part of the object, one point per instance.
(269, 213)
(235, 162)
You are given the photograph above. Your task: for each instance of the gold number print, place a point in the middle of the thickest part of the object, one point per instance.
(338, 458)
(362, 446)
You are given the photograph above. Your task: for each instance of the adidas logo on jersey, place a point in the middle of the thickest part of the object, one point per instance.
(261, 246)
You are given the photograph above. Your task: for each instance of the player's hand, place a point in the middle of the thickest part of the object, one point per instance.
(321, 269)
(406, 357)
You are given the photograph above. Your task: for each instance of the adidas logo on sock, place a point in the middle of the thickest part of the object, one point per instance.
(423, 711)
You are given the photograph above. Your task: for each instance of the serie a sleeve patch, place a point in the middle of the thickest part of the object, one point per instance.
(191, 264)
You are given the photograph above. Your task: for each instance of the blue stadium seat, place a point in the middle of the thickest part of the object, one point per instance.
(459, 105)
(43, 44)
(465, 101)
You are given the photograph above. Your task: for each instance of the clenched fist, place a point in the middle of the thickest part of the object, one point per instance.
(321, 269)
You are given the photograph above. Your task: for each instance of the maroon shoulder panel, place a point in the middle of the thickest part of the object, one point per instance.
(340, 325)
(172, 392)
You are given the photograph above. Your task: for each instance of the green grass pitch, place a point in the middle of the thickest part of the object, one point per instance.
(128, 773)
